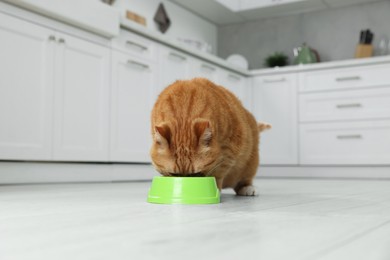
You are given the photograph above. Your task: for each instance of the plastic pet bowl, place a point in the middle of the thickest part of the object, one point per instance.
(184, 190)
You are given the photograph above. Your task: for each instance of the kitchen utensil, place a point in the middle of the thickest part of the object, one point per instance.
(197, 44)
(305, 55)
(383, 46)
(366, 37)
(365, 49)
(238, 60)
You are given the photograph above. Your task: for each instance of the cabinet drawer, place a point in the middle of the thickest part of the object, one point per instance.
(134, 44)
(352, 143)
(345, 78)
(345, 105)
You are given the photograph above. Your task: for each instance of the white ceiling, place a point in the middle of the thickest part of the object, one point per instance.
(211, 11)
(222, 12)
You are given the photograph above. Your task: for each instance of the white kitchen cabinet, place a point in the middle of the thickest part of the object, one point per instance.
(202, 69)
(173, 65)
(176, 65)
(344, 116)
(275, 102)
(82, 91)
(90, 15)
(345, 105)
(132, 99)
(345, 78)
(236, 84)
(26, 90)
(135, 44)
(345, 143)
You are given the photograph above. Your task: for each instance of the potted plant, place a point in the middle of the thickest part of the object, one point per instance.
(278, 59)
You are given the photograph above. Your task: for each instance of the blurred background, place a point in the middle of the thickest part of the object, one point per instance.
(79, 79)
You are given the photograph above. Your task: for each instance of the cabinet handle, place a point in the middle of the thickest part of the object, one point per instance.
(61, 40)
(274, 80)
(341, 137)
(232, 76)
(52, 38)
(208, 67)
(177, 56)
(139, 64)
(143, 47)
(349, 105)
(348, 78)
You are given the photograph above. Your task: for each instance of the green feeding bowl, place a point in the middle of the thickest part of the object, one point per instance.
(184, 190)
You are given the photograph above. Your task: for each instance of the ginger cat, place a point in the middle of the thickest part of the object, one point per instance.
(201, 129)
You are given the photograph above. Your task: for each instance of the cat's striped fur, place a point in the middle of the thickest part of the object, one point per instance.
(201, 129)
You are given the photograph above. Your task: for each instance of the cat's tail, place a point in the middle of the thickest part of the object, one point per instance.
(262, 126)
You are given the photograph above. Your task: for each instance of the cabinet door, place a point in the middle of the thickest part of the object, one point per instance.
(174, 65)
(133, 80)
(26, 62)
(235, 83)
(81, 100)
(201, 69)
(275, 102)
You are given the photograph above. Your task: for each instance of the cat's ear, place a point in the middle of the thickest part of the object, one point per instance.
(162, 134)
(203, 132)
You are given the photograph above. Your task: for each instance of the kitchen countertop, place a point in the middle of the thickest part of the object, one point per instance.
(322, 65)
(139, 29)
(128, 25)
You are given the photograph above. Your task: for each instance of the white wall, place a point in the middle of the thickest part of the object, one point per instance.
(184, 24)
(334, 33)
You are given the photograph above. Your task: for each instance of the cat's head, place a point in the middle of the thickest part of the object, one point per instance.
(185, 149)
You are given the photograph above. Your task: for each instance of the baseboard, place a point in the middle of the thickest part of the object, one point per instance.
(47, 172)
(51, 172)
(361, 172)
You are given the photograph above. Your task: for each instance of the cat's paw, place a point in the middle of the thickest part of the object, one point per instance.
(247, 191)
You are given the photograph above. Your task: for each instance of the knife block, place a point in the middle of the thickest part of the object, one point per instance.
(364, 50)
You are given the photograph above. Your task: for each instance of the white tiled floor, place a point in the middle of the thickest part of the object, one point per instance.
(291, 219)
